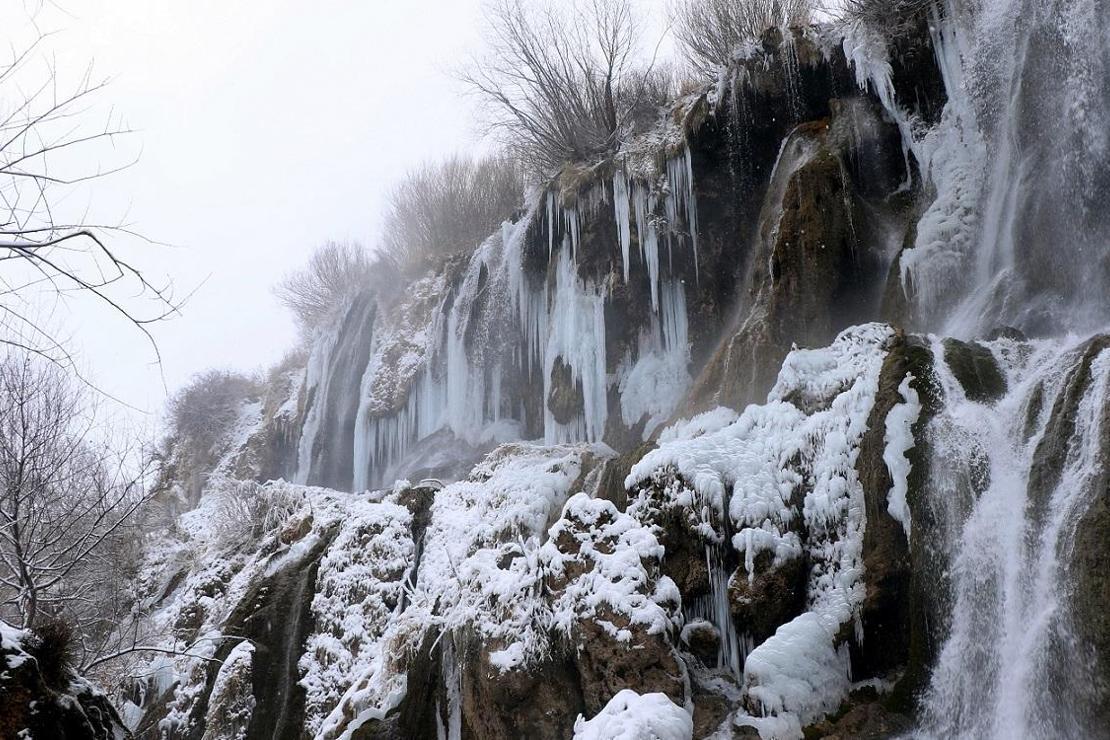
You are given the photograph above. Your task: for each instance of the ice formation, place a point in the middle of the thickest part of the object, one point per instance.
(791, 462)
(899, 440)
(655, 385)
(630, 716)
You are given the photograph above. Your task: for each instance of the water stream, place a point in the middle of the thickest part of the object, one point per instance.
(1011, 667)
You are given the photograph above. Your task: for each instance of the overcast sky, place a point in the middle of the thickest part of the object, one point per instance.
(262, 130)
(265, 128)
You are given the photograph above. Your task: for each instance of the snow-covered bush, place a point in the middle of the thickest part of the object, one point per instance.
(245, 510)
(710, 32)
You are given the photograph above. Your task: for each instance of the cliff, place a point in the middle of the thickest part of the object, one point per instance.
(684, 445)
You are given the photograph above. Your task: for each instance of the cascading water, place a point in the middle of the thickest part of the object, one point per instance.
(1011, 667)
(1018, 231)
(714, 608)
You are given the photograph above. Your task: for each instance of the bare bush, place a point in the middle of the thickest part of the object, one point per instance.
(204, 411)
(891, 17)
(711, 31)
(442, 208)
(563, 82)
(199, 422)
(335, 272)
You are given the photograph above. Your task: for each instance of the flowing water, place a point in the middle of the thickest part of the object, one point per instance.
(1011, 667)
(1026, 247)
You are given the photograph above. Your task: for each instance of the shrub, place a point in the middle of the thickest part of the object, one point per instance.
(203, 411)
(52, 645)
(335, 272)
(562, 81)
(443, 208)
(891, 17)
(710, 31)
(247, 511)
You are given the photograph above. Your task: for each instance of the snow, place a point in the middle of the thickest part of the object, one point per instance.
(11, 642)
(786, 466)
(630, 716)
(606, 551)
(798, 671)
(232, 694)
(359, 586)
(899, 440)
(702, 424)
(481, 566)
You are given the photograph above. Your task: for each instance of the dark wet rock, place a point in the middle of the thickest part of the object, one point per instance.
(275, 615)
(771, 597)
(885, 613)
(977, 370)
(645, 663)
(1034, 406)
(1052, 451)
(864, 717)
(611, 486)
(1007, 332)
(703, 640)
(535, 701)
(1087, 556)
(818, 261)
(565, 401)
(40, 703)
(710, 710)
(679, 530)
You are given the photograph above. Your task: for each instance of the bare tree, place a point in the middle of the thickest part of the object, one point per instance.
(46, 144)
(335, 272)
(711, 31)
(442, 208)
(563, 81)
(66, 499)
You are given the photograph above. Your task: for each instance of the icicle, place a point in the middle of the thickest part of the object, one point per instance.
(643, 203)
(656, 383)
(622, 216)
(551, 214)
(680, 198)
(577, 337)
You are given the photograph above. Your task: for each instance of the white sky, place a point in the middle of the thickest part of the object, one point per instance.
(265, 128)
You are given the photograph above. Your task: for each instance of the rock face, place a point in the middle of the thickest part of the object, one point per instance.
(1087, 555)
(37, 700)
(785, 569)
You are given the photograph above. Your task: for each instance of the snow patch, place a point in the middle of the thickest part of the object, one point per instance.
(630, 716)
